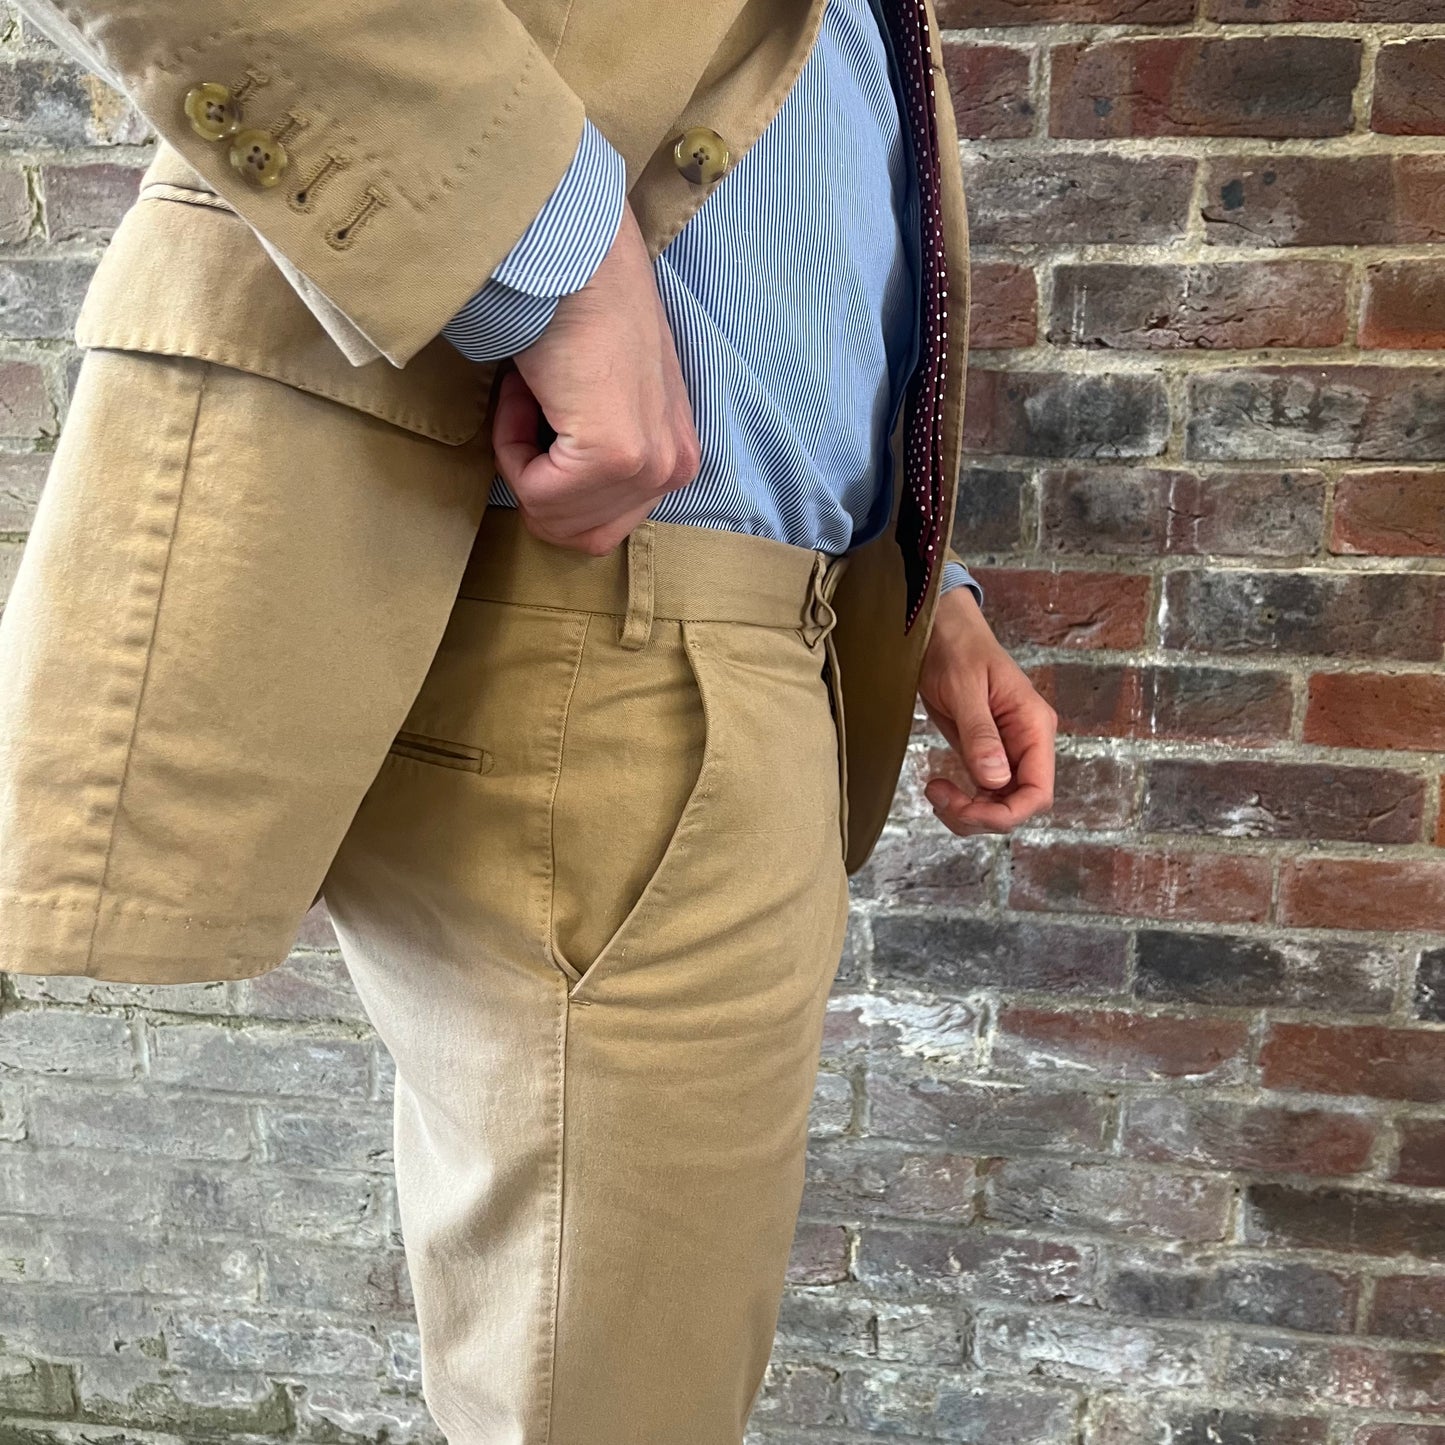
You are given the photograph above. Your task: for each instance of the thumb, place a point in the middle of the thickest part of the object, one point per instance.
(514, 428)
(982, 748)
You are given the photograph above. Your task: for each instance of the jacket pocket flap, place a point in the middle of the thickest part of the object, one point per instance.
(184, 276)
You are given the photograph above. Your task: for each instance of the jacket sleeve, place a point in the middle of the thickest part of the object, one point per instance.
(388, 153)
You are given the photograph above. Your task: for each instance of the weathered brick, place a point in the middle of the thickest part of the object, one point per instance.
(983, 1118)
(47, 102)
(1121, 1420)
(1065, 414)
(1261, 1138)
(1064, 1345)
(87, 202)
(1140, 883)
(22, 477)
(940, 1029)
(1093, 792)
(1410, 88)
(1379, 1062)
(66, 1042)
(43, 1322)
(25, 409)
(1318, 200)
(36, 1387)
(1278, 971)
(966, 13)
(1370, 413)
(39, 297)
(1250, 1291)
(1334, 614)
(360, 1282)
(1345, 1221)
(1276, 86)
(853, 1181)
(311, 986)
(989, 515)
(936, 868)
(1106, 1198)
(989, 85)
(1059, 199)
(1204, 307)
(1118, 1045)
(1243, 799)
(823, 1323)
(1376, 710)
(893, 1404)
(1365, 12)
(176, 1127)
(175, 1263)
(1395, 513)
(1066, 609)
(1141, 510)
(1362, 893)
(1409, 1307)
(794, 1393)
(1404, 305)
(16, 208)
(1335, 1374)
(189, 1401)
(283, 1344)
(1399, 1434)
(1003, 306)
(353, 1410)
(1421, 1158)
(1430, 986)
(258, 1060)
(1173, 702)
(976, 1263)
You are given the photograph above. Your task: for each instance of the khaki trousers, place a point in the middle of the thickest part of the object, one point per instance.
(593, 904)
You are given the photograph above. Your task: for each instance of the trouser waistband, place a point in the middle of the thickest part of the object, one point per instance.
(667, 570)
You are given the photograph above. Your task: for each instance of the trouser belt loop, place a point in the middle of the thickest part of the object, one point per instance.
(641, 574)
(819, 618)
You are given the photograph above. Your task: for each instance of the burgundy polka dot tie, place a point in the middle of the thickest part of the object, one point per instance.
(921, 508)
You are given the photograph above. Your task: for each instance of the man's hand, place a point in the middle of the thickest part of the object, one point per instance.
(605, 375)
(1003, 731)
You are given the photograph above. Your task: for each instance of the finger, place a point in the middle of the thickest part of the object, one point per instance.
(514, 428)
(1032, 794)
(980, 745)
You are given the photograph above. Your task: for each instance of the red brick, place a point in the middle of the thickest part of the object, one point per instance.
(1369, 1060)
(1066, 609)
(1235, 307)
(1422, 1153)
(1115, 1044)
(847, 1181)
(1347, 1221)
(976, 1263)
(1410, 88)
(1260, 1138)
(25, 409)
(1409, 1307)
(1363, 12)
(967, 14)
(1003, 307)
(819, 1255)
(1175, 702)
(1394, 513)
(1297, 200)
(1405, 306)
(1363, 893)
(1264, 513)
(1065, 414)
(87, 202)
(1277, 86)
(1140, 883)
(1377, 710)
(989, 515)
(989, 85)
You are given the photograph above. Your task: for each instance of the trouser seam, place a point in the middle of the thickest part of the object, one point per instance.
(559, 1194)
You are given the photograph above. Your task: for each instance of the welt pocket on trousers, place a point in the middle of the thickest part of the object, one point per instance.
(442, 753)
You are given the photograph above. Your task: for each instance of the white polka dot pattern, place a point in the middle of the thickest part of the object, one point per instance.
(920, 513)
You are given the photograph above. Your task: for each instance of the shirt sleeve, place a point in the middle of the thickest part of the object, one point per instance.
(555, 256)
(955, 574)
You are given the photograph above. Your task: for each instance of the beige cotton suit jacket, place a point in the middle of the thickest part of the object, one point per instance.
(265, 493)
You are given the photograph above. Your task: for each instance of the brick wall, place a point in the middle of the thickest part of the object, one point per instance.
(1130, 1128)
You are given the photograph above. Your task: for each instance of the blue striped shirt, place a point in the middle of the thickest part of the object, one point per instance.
(790, 293)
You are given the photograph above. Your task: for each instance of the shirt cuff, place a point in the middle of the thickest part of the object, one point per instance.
(955, 574)
(556, 255)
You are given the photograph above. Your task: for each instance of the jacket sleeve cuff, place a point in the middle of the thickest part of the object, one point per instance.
(556, 255)
(955, 574)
